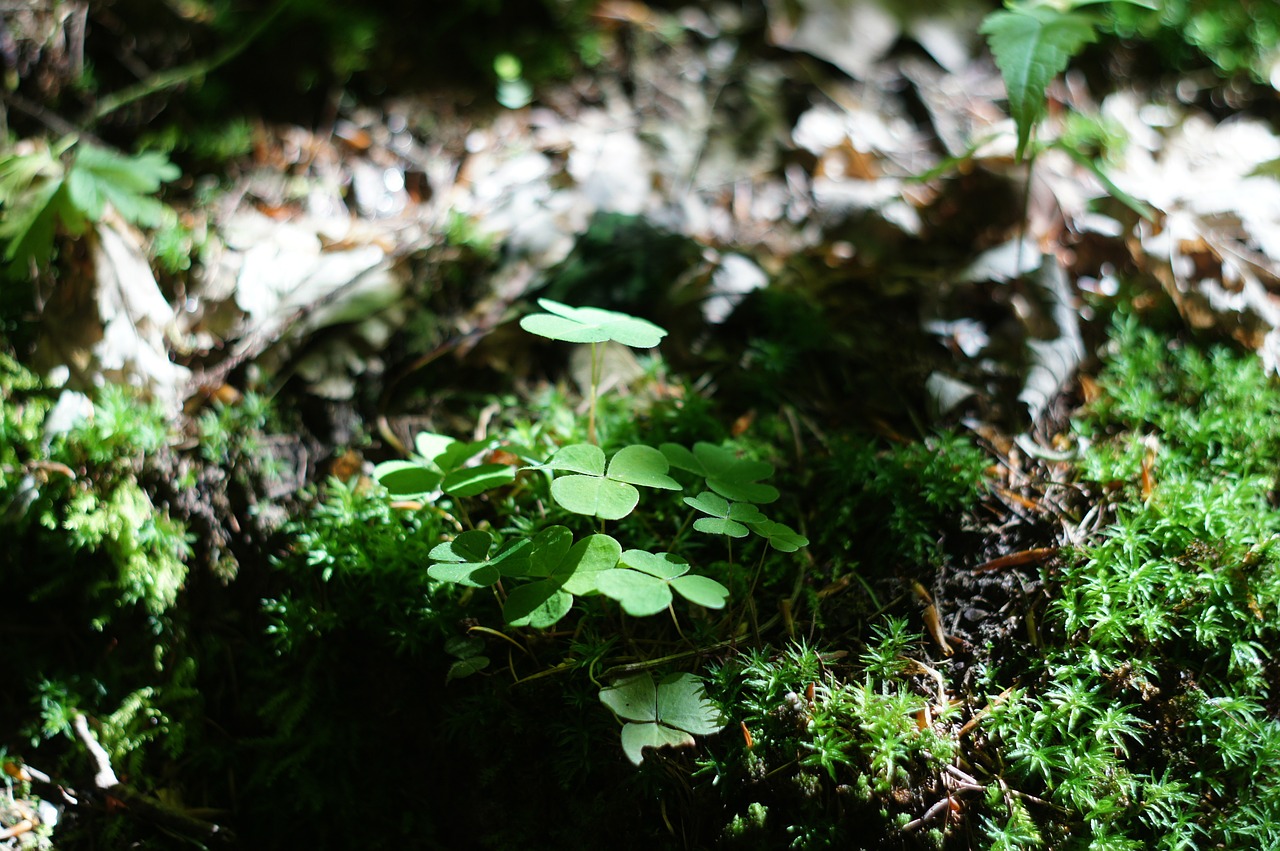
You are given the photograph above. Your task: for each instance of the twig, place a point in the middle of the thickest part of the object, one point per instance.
(106, 776)
(177, 76)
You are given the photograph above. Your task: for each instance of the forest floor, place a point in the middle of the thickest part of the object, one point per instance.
(309, 531)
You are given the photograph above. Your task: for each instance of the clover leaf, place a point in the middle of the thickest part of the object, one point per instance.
(440, 464)
(734, 478)
(780, 536)
(465, 560)
(670, 713)
(609, 494)
(591, 325)
(643, 582)
(561, 570)
(469, 651)
(727, 518)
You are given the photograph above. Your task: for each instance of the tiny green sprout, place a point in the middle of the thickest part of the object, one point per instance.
(465, 560)
(668, 714)
(609, 494)
(560, 569)
(643, 581)
(727, 518)
(734, 478)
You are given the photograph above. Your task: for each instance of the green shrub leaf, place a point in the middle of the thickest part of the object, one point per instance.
(591, 325)
(1032, 45)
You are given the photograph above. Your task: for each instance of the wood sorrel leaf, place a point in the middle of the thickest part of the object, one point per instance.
(598, 497)
(585, 458)
(591, 325)
(780, 536)
(465, 560)
(734, 478)
(406, 479)
(727, 518)
(588, 559)
(539, 604)
(639, 593)
(660, 715)
(702, 590)
(661, 565)
(642, 465)
(470, 481)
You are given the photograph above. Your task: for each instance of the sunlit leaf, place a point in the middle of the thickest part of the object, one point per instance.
(597, 497)
(702, 590)
(470, 481)
(406, 478)
(1032, 45)
(663, 715)
(591, 325)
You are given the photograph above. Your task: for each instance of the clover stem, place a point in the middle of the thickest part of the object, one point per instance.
(676, 621)
(595, 385)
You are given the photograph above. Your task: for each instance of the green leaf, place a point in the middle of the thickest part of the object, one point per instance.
(591, 325)
(596, 497)
(466, 667)
(608, 496)
(406, 479)
(588, 559)
(639, 593)
(661, 565)
(470, 481)
(780, 536)
(701, 590)
(539, 604)
(431, 446)
(585, 458)
(663, 715)
(727, 518)
(464, 646)
(1032, 45)
(465, 560)
(728, 475)
(550, 546)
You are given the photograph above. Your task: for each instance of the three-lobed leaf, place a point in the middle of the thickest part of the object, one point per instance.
(727, 518)
(561, 569)
(608, 493)
(465, 560)
(643, 581)
(734, 478)
(669, 713)
(591, 325)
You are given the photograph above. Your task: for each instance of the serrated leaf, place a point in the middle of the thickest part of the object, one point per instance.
(591, 325)
(596, 497)
(406, 478)
(639, 594)
(702, 590)
(1032, 45)
(470, 481)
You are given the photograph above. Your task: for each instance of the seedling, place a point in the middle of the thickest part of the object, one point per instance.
(591, 325)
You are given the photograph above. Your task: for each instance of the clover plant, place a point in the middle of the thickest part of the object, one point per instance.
(538, 568)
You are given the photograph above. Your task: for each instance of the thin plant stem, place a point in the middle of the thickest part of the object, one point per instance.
(595, 387)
